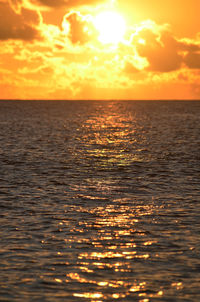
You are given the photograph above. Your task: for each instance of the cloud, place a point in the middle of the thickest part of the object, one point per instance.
(77, 34)
(16, 5)
(70, 61)
(66, 3)
(192, 60)
(80, 28)
(164, 52)
(161, 52)
(18, 26)
(130, 68)
(188, 45)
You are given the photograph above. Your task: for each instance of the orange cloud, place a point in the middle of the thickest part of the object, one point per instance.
(192, 60)
(70, 61)
(21, 26)
(161, 53)
(80, 29)
(66, 3)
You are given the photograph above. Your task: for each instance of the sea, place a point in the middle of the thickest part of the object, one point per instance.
(99, 201)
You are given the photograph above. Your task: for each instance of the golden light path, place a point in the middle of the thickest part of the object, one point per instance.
(111, 27)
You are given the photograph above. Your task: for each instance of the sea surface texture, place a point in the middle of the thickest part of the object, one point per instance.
(99, 201)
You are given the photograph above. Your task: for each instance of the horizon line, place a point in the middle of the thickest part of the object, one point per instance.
(98, 100)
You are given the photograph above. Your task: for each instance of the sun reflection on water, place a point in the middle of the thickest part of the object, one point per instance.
(89, 295)
(108, 134)
(104, 207)
(114, 246)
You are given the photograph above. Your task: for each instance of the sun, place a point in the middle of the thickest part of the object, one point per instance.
(111, 27)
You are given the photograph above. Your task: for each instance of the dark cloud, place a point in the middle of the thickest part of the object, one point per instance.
(188, 46)
(192, 60)
(161, 53)
(18, 26)
(79, 28)
(165, 53)
(66, 3)
(51, 3)
(16, 4)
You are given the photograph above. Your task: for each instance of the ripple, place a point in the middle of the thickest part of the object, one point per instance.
(99, 201)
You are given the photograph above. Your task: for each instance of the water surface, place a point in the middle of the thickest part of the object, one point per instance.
(99, 201)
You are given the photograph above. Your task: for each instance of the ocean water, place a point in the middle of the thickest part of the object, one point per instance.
(99, 201)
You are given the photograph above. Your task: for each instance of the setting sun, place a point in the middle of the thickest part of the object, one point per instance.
(100, 49)
(111, 27)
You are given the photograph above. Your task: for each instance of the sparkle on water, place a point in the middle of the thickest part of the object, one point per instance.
(99, 201)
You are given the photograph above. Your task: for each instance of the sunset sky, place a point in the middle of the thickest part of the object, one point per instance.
(95, 49)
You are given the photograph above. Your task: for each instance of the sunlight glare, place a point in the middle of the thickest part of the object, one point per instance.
(111, 27)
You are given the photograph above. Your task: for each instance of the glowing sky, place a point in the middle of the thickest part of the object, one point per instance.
(95, 49)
